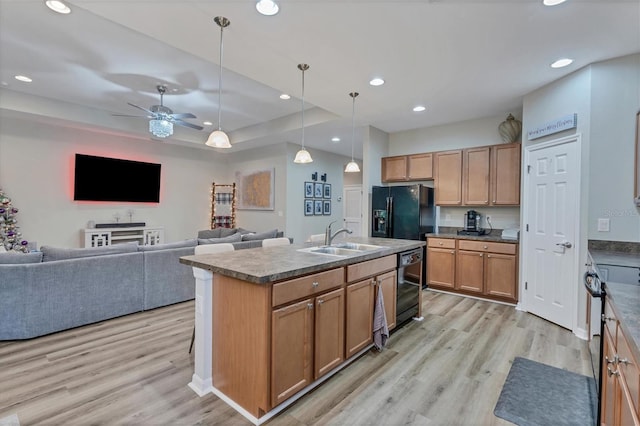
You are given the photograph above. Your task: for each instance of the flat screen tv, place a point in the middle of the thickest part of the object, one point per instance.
(113, 179)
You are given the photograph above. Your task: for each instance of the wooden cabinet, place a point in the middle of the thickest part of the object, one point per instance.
(363, 278)
(475, 176)
(505, 175)
(620, 403)
(407, 167)
(447, 174)
(469, 271)
(441, 262)
(329, 332)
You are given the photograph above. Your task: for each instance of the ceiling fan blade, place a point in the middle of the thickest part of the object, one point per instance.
(144, 109)
(183, 115)
(128, 115)
(186, 124)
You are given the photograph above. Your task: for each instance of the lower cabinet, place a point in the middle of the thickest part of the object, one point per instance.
(441, 262)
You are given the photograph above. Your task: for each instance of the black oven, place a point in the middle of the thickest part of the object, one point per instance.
(409, 285)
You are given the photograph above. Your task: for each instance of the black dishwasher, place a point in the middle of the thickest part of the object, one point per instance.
(409, 285)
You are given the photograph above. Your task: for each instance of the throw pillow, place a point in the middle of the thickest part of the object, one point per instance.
(15, 258)
(179, 244)
(226, 232)
(230, 239)
(260, 236)
(53, 253)
(209, 233)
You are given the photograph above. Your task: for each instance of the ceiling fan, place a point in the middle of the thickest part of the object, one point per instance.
(162, 118)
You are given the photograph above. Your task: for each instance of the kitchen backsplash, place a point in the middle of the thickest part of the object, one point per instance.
(618, 246)
(501, 217)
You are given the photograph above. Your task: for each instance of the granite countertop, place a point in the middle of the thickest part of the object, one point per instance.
(266, 265)
(495, 236)
(624, 297)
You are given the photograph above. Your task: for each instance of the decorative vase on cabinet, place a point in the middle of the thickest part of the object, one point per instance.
(510, 129)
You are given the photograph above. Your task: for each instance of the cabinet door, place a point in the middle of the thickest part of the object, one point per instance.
(470, 271)
(441, 267)
(394, 168)
(505, 175)
(387, 284)
(359, 316)
(329, 328)
(447, 167)
(291, 350)
(420, 166)
(500, 275)
(609, 389)
(475, 176)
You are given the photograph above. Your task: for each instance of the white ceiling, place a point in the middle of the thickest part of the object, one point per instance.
(462, 59)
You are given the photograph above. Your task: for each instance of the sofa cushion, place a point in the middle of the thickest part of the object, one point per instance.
(15, 258)
(53, 253)
(216, 233)
(230, 239)
(260, 236)
(178, 244)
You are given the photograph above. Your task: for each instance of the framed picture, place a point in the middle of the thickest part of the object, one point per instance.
(308, 207)
(256, 190)
(317, 207)
(308, 190)
(327, 207)
(327, 190)
(317, 190)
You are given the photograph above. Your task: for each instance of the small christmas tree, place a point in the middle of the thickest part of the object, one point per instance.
(10, 236)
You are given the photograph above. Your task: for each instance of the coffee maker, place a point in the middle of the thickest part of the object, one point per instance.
(472, 220)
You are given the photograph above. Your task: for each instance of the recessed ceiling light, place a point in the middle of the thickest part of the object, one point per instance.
(418, 108)
(58, 6)
(552, 2)
(561, 63)
(207, 123)
(4, 83)
(285, 96)
(267, 7)
(23, 78)
(376, 82)
(335, 139)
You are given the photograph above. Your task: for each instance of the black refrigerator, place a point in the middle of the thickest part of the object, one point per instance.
(405, 212)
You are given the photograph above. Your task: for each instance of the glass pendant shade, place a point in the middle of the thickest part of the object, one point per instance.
(218, 139)
(303, 157)
(161, 128)
(352, 167)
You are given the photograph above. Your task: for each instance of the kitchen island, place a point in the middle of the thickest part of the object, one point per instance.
(273, 323)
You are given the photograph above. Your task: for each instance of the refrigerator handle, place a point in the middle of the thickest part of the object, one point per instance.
(389, 217)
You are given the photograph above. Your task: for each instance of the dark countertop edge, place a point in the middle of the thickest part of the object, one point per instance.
(493, 238)
(321, 263)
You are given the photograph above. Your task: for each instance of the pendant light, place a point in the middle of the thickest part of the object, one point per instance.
(218, 138)
(303, 156)
(352, 166)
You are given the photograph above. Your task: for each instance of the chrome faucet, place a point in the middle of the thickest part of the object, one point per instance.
(328, 237)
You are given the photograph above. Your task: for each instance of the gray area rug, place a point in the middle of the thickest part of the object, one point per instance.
(536, 394)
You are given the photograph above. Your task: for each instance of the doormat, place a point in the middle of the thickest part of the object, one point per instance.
(536, 394)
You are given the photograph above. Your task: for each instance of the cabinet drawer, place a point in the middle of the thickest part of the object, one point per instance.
(371, 267)
(298, 288)
(441, 243)
(486, 246)
(629, 369)
(611, 322)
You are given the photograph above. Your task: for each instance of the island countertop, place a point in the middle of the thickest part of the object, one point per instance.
(265, 265)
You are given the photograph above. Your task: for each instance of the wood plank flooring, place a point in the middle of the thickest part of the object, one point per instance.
(447, 370)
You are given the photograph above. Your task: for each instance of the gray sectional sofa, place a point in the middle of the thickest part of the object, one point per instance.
(57, 289)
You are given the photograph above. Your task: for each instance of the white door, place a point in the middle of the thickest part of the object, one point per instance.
(551, 221)
(353, 209)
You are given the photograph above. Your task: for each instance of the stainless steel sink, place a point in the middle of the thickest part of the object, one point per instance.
(341, 249)
(357, 246)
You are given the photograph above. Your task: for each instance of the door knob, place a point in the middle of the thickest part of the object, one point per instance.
(566, 244)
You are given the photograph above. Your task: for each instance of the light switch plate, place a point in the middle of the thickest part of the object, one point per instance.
(603, 224)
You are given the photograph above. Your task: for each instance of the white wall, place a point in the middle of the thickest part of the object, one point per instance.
(36, 172)
(298, 225)
(615, 101)
(375, 145)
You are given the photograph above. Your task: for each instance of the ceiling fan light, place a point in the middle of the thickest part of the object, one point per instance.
(218, 139)
(303, 157)
(161, 128)
(352, 167)
(267, 7)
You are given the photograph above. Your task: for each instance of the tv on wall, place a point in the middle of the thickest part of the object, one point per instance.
(113, 179)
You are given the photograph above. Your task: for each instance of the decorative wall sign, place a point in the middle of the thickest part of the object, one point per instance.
(563, 123)
(256, 190)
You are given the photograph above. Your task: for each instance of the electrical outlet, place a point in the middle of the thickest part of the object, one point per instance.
(603, 224)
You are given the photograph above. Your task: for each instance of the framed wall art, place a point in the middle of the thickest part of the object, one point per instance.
(308, 190)
(327, 190)
(256, 190)
(308, 207)
(317, 190)
(317, 207)
(326, 210)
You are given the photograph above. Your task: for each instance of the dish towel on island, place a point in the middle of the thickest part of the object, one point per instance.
(380, 329)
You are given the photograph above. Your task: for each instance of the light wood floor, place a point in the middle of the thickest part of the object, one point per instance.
(447, 370)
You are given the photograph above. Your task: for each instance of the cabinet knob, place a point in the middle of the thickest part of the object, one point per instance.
(481, 254)
(315, 284)
(485, 247)
(452, 252)
(309, 306)
(488, 256)
(610, 372)
(440, 243)
(320, 301)
(611, 361)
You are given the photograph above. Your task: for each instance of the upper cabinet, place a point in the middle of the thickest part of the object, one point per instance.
(475, 176)
(405, 168)
(447, 166)
(505, 175)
